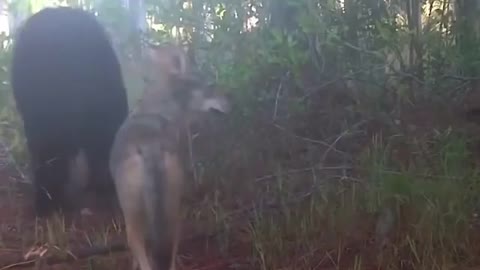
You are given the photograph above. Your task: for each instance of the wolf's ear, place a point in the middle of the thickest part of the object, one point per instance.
(168, 58)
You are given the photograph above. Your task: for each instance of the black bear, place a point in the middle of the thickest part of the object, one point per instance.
(68, 88)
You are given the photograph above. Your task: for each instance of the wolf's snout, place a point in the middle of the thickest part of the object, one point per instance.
(219, 105)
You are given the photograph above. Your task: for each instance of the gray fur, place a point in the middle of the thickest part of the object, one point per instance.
(146, 162)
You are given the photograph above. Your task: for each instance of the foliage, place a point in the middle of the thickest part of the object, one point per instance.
(310, 81)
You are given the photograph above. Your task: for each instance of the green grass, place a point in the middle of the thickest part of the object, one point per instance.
(413, 211)
(416, 218)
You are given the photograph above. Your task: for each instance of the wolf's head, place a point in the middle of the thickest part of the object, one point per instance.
(171, 76)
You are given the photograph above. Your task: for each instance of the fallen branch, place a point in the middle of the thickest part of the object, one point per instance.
(19, 261)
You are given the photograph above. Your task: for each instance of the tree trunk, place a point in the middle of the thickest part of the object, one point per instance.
(351, 18)
(415, 62)
(282, 15)
(467, 36)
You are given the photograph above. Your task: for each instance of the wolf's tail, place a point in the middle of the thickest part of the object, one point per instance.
(159, 234)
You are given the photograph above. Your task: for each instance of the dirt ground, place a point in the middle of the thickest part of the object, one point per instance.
(84, 241)
(88, 235)
(97, 240)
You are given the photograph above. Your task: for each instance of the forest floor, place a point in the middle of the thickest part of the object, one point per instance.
(322, 229)
(97, 240)
(88, 241)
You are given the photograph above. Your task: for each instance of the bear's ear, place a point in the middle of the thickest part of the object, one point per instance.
(168, 58)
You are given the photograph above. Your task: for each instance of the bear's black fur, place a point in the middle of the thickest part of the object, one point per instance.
(69, 90)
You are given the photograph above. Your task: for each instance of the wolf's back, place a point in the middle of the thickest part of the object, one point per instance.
(148, 178)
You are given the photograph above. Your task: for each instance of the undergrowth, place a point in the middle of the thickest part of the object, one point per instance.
(336, 154)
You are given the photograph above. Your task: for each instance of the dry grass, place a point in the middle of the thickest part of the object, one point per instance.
(376, 209)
